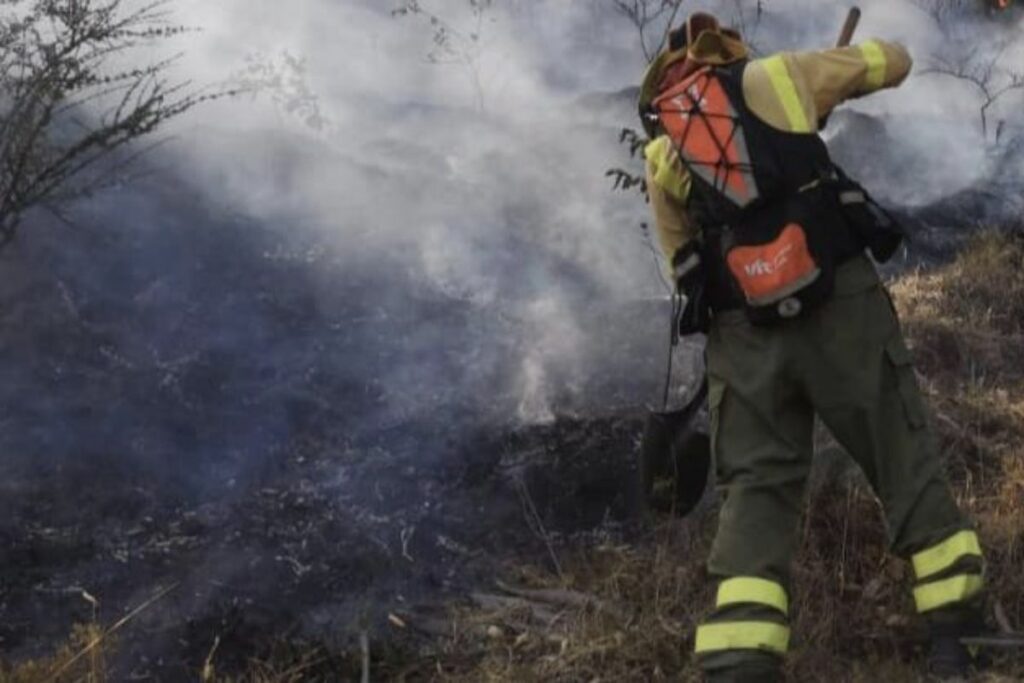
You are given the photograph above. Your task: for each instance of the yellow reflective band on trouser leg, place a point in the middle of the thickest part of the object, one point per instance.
(946, 592)
(874, 55)
(942, 556)
(749, 589)
(785, 90)
(742, 635)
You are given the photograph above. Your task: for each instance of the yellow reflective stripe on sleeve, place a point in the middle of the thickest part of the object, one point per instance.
(654, 150)
(785, 90)
(748, 589)
(941, 593)
(944, 555)
(874, 55)
(742, 635)
(668, 171)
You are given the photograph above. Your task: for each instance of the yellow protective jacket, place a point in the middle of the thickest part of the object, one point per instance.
(790, 91)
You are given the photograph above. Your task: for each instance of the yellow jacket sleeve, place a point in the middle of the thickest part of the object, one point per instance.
(836, 75)
(672, 224)
(792, 91)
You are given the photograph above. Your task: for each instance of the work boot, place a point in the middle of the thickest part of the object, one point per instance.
(746, 674)
(949, 660)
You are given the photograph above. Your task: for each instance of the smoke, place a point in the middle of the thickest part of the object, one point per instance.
(478, 181)
(443, 233)
(490, 197)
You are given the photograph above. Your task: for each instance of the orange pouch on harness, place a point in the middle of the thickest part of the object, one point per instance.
(780, 260)
(769, 273)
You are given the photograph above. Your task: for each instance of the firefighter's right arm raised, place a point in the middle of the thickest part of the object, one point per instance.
(836, 75)
(794, 90)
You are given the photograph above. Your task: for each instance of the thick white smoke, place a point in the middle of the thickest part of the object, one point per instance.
(485, 175)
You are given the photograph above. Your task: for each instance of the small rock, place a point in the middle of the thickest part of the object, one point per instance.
(874, 588)
(896, 620)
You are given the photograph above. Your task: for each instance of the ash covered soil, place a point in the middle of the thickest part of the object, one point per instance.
(326, 543)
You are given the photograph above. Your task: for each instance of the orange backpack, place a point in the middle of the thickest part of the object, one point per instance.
(768, 201)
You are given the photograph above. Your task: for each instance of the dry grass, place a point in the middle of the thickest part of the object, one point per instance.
(68, 663)
(84, 657)
(854, 618)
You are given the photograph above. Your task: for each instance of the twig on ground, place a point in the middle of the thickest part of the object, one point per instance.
(364, 645)
(563, 597)
(429, 626)
(406, 535)
(297, 567)
(535, 523)
(538, 612)
(1002, 620)
(209, 672)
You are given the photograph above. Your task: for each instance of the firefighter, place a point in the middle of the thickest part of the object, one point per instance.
(838, 353)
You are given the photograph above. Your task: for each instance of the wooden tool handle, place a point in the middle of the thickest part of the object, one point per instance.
(852, 19)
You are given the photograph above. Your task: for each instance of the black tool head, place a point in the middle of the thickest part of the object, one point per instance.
(674, 462)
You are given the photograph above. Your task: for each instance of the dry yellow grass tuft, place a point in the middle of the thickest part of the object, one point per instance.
(68, 663)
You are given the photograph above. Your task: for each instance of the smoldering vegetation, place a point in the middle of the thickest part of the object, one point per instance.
(314, 380)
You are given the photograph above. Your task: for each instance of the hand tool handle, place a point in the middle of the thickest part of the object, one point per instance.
(849, 27)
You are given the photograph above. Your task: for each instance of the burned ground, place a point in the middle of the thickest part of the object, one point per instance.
(300, 555)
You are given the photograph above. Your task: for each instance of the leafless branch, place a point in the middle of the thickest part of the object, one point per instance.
(455, 45)
(284, 79)
(985, 73)
(944, 11)
(535, 523)
(565, 597)
(748, 25)
(645, 16)
(364, 646)
(64, 110)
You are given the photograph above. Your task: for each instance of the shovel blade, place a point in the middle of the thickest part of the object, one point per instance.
(671, 451)
(693, 463)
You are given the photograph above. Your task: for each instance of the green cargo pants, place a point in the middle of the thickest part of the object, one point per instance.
(846, 362)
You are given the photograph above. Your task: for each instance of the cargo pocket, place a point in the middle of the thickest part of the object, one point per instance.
(902, 365)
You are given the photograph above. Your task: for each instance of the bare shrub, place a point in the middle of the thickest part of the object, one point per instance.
(986, 74)
(460, 45)
(64, 108)
(979, 62)
(649, 17)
